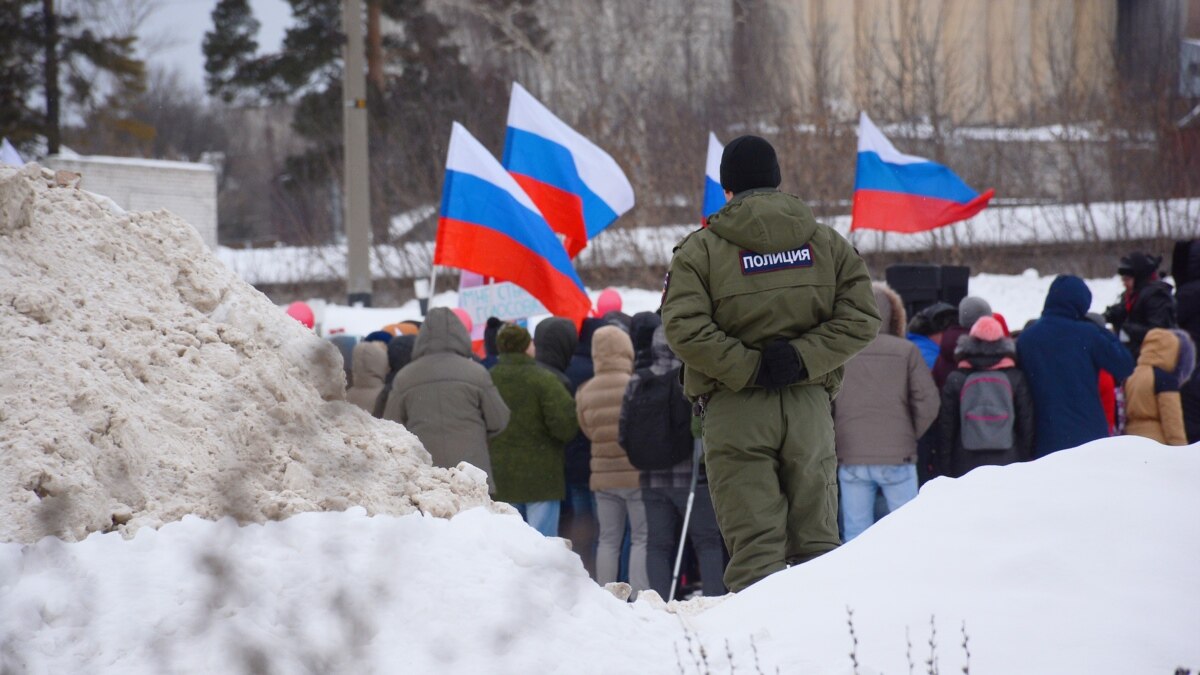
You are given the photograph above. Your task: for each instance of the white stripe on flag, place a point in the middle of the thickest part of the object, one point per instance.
(871, 139)
(715, 149)
(467, 155)
(596, 167)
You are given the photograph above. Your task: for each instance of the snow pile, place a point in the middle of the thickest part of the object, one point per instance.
(143, 382)
(1083, 562)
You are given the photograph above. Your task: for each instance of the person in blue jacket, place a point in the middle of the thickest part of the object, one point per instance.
(1062, 354)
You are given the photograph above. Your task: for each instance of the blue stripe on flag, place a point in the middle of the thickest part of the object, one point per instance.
(542, 159)
(473, 200)
(925, 179)
(714, 196)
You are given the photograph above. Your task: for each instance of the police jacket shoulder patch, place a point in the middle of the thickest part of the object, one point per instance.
(759, 263)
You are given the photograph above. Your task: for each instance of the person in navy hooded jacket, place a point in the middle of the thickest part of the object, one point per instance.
(1062, 354)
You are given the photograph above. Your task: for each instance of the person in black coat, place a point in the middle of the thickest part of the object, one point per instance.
(641, 333)
(492, 355)
(984, 349)
(1186, 271)
(554, 342)
(1145, 304)
(399, 352)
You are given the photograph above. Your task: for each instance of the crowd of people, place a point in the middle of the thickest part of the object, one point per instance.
(822, 406)
(546, 417)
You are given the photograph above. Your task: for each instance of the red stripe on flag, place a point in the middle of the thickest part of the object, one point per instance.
(562, 210)
(485, 251)
(900, 212)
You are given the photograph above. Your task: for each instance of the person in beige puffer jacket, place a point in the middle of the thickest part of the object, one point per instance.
(615, 482)
(1152, 401)
(369, 364)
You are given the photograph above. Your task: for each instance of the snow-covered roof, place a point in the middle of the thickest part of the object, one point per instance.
(134, 161)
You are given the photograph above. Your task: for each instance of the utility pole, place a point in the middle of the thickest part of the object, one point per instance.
(356, 186)
(50, 73)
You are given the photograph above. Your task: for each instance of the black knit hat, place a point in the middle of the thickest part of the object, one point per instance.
(749, 162)
(1139, 265)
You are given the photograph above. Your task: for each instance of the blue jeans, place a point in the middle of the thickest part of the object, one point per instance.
(541, 516)
(859, 483)
(579, 523)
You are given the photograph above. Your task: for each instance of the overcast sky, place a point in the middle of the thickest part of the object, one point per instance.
(176, 29)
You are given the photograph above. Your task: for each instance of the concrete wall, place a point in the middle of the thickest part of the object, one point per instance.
(186, 189)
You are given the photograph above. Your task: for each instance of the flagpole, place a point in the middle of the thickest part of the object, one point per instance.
(433, 275)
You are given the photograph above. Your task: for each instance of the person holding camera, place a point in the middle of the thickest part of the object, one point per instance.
(1146, 302)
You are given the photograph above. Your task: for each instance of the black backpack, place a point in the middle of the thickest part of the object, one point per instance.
(656, 427)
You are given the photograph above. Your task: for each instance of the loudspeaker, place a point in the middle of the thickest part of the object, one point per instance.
(920, 286)
(955, 279)
(1180, 271)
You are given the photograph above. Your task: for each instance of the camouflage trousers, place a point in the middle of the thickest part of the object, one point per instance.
(772, 472)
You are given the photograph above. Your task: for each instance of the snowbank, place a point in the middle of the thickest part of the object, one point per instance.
(320, 593)
(1083, 562)
(143, 382)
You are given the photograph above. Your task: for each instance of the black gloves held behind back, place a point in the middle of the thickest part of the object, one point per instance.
(780, 366)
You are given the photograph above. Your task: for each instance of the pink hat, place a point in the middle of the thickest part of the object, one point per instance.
(609, 301)
(987, 329)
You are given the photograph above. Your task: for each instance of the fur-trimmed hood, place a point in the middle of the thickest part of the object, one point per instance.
(1186, 369)
(891, 310)
(1169, 350)
(982, 354)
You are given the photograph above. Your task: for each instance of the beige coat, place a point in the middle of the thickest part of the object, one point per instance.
(1151, 410)
(369, 365)
(598, 405)
(888, 397)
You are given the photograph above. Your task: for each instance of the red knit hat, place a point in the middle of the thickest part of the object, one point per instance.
(987, 329)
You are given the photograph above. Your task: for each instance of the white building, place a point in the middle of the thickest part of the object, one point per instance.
(187, 189)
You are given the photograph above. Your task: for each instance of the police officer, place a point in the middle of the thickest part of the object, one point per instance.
(763, 307)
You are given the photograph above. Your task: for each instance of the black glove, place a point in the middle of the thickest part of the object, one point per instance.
(1115, 314)
(780, 366)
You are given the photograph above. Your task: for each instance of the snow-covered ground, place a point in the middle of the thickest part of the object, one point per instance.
(1083, 562)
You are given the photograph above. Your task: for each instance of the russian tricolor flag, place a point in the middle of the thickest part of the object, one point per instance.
(714, 195)
(904, 193)
(488, 225)
(579, 188)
